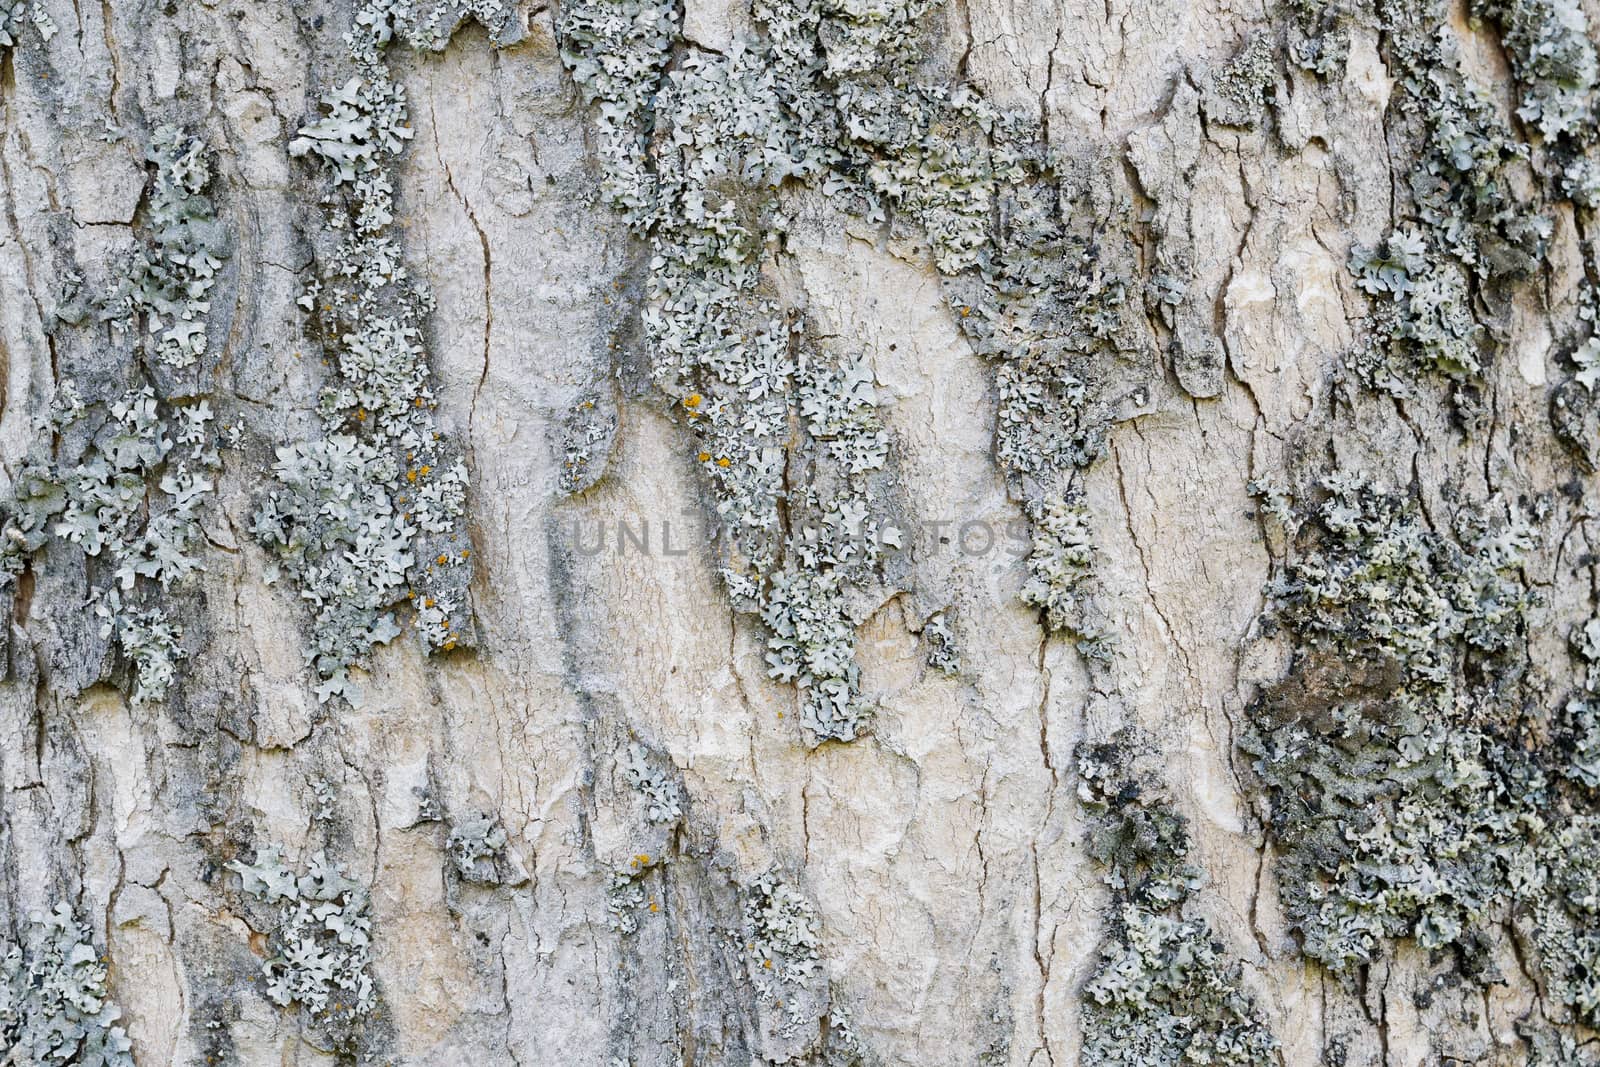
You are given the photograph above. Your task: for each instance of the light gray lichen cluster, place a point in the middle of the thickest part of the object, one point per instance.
(783, 940)
(54, 1005)
(1476, 221)
(693, 156)
(1408, 795)
(1574, 405)
(373, 514)
(1061, 581)
(738, 368)
(1237, 93)
(1165, 991)
(171, 278)
(1553, 54)
(127, 480)
(943, 649)
(662, 795)
(1318, 34)
(477, 846)
(321, 943)
(15, 15)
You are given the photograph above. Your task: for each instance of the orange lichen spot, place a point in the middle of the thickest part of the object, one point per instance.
(704, 457)
(418, 401)
(654, 907)
(692, 400)
(767, 964)
(425, 471)
(443, 559)
(411, 476)
(724, 461)
(411, 594)
(465, 552)
(427, 602)
(361, 415)
(449, 646)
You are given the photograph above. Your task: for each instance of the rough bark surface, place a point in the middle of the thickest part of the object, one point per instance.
(581, 802)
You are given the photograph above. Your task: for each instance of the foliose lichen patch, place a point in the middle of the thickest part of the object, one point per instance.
(1480, 200)
(372, 516)
(695, 158)
(321, 943)
(127, 478)
(1165, 990)
(18, 16)
(54, 1005)
(1415, 789)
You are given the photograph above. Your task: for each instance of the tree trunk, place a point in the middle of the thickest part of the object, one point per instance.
(627, 533)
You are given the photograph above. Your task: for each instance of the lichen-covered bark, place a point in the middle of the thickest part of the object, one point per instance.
(626, 532)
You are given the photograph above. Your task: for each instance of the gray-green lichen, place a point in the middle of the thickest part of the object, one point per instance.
(655, 782)
(15, 15)
(171, 278)
(1470, 219)
(321, 942)
(372, 515)
(126, 478)
(1553, 56)
(1413, 791)
(1061, 581)
(1317, 38)
(1236, 94)
(694, 157)
(943, 650)
(783, 953)
(479, 849)
(1574, 407)
(738, 368)
(54, 1005)
(1165, 991)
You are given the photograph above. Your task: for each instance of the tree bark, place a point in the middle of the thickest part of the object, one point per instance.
(639, 533)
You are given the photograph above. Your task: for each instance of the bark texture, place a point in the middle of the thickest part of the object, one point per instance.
(631, 533)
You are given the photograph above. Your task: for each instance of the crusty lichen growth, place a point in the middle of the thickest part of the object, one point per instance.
(737, 367)
(1414, 792)
(172, 276)
(54, 1006)
(321, 942)
(479, 849)
(18, 15)
(126, 477)
(692, 156)
(1469, 219)
(783, 952)
(1061, 580)
(373, 515)
(1553, 55)
(1165, 991)
(1237, 93)
(652, 777)
(942, 647)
